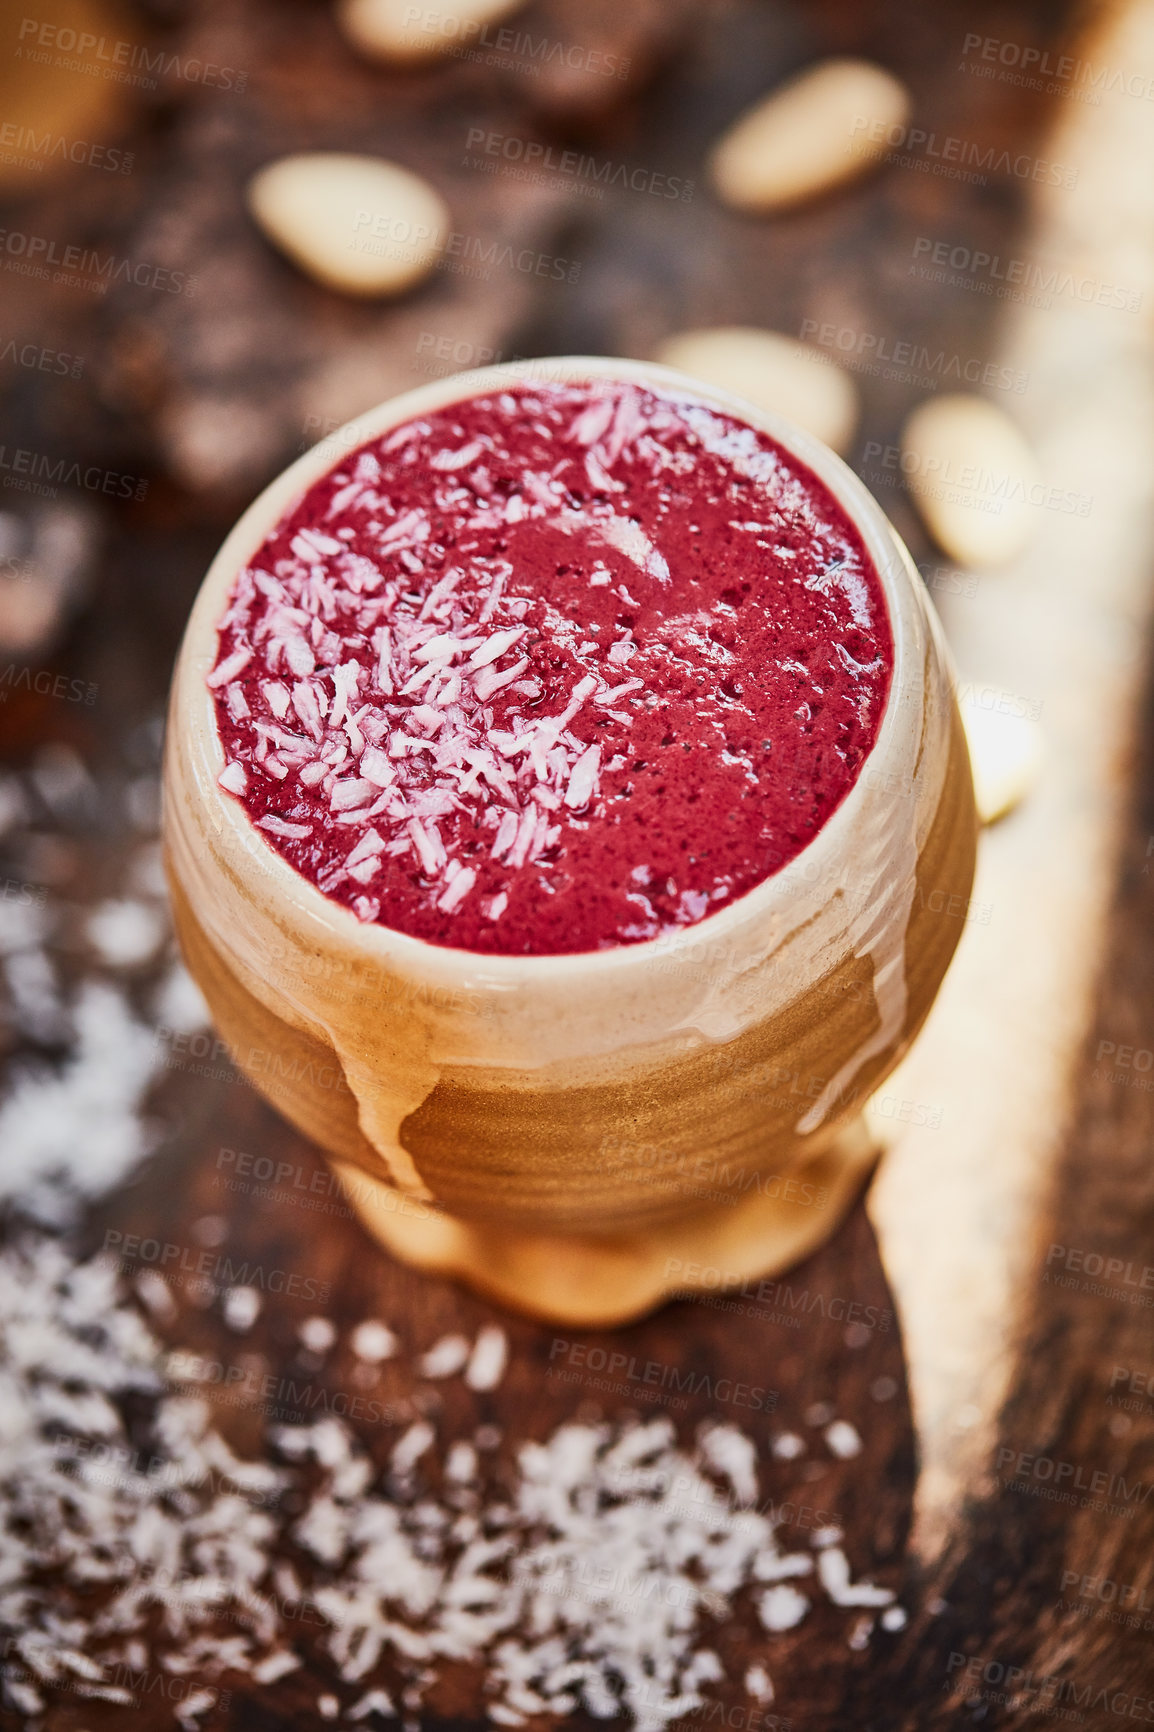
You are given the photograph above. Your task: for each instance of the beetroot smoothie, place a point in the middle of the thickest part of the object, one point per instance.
(556, 669)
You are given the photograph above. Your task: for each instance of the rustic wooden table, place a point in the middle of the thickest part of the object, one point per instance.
(206, 395)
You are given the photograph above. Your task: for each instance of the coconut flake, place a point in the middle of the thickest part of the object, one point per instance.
(242, 1308)
(298, 655)
(488, 1359)
(283, 827)
(373, 1341)
(844, 1439)
(782, 1608)
(834, 1575)
(495, 646)
(583, 779)
(229, 668)
(457, 891)
(446, 1358)
(351, 792)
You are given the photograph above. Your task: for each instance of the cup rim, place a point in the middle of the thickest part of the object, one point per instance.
(383, 945)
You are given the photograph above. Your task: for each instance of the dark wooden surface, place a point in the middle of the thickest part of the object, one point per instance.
(205, 396)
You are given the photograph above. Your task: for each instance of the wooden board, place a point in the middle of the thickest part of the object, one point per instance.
(207, 395)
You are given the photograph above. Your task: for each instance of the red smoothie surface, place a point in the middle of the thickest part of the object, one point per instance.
(555, 669)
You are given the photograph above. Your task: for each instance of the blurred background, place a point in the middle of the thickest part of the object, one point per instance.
(980, 225)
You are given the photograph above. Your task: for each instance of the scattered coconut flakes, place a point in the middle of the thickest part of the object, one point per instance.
(446, 1357)
(773, 1567)
(859, 1636)
(189, 1711)
(586, 1586)
(833, 1573)
(572, 1558)
(787, 1446)
(844, 1439)
(758, 1684)
(894, 1618)
(241, 1307)
(488, 1359)
(408, 1452)
(782, 1607)
(156, 1294)
(461, 1462)
(276, 1665)
(75, 1132)
(733, 1455)
(154, 1528)
(125, 933)
(317, 1334)
(373, 1341)
(373, 1702)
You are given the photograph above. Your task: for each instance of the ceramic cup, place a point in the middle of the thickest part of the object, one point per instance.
(582, 1135)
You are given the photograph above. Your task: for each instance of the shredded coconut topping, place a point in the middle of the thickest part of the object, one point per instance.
(493, 663)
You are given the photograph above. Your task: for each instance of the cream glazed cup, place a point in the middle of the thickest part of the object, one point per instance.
(581, 1136)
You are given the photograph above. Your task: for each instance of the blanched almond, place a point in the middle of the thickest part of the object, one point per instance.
(355, 223)
(407, 32)
(975, 480)
(1005, 757)
(824, 127)
(773, 372)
